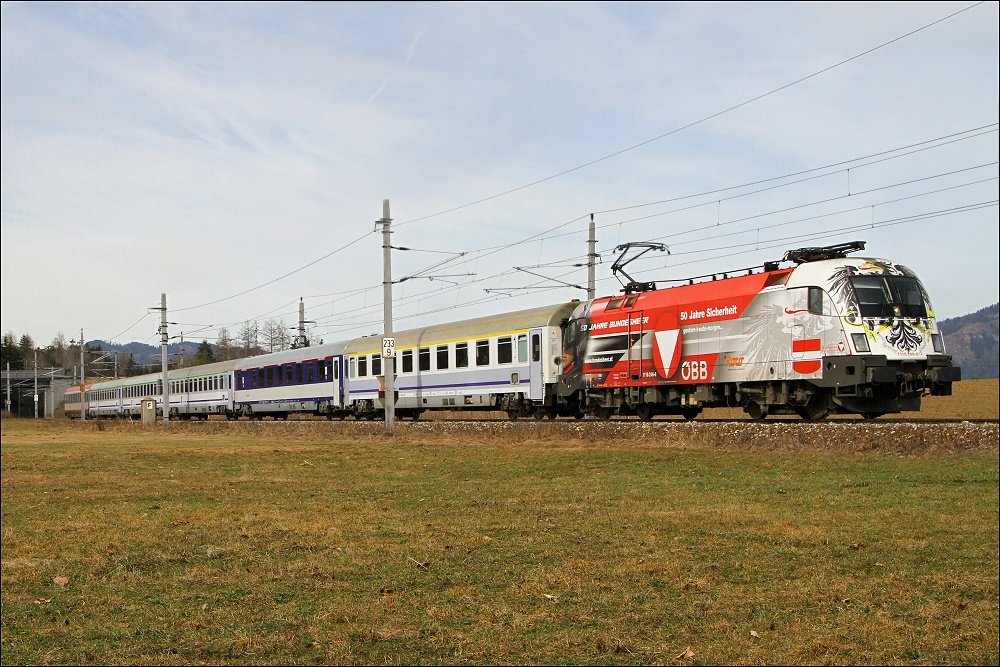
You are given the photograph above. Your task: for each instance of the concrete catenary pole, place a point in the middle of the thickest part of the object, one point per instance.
(8, 386)
(83, 381)
(36, 384)
(301, 342)
(163, 356)
(387, 362)
(591, 259)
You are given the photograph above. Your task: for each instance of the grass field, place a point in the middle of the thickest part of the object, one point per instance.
(334, 543)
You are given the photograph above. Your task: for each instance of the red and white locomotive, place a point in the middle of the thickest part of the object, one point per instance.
(829, 334)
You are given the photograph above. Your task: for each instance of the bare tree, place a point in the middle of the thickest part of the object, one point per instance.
(275, 335)
(248, 336)
(225, 345)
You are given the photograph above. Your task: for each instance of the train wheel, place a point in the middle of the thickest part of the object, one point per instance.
(690, 413)
(756, 410)
(872, 415)
(816, 409)
(645, 411)
(512, 415)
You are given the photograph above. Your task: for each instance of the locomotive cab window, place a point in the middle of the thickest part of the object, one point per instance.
(816, 301)
(889, 296)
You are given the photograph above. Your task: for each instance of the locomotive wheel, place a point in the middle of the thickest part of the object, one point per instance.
(690, 413)
(756, 410)
(602, 413)
(645, 411)
(872, 415)
(815, 410)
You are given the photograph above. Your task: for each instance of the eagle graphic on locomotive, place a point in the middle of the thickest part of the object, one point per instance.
(815, 334)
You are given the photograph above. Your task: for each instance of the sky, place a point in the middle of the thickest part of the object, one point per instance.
(235, 156)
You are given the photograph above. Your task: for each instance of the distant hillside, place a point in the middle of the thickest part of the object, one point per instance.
(144, 354)
(973, 342)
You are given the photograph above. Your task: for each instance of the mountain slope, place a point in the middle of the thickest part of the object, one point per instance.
(972, 341)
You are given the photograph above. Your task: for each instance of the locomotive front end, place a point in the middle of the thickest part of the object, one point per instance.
(893, 351)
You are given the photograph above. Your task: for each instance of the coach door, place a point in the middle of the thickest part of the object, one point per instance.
(535, 367)
(338, 383)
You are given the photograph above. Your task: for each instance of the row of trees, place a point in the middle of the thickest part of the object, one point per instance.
(251, 339)
(20, 352)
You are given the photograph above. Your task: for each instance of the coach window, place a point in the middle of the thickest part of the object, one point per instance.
(504, 350)
(376, 365)
(407, 361)
(424, 360)
(522, 348)
(482, 353)
(461, 355)
(442, 357)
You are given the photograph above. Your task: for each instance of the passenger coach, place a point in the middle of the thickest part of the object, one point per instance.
(500, 362)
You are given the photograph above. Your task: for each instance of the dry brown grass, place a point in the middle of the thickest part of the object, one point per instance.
(261, 543)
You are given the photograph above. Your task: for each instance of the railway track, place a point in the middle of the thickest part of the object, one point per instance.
(613, 420)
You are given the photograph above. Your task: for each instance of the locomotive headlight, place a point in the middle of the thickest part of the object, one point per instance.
(860, 342)
(938, 342)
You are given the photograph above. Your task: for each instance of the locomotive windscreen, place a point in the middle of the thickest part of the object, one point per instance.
(889, 296)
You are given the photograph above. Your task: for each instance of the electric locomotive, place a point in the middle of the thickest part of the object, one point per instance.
(829, 334)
